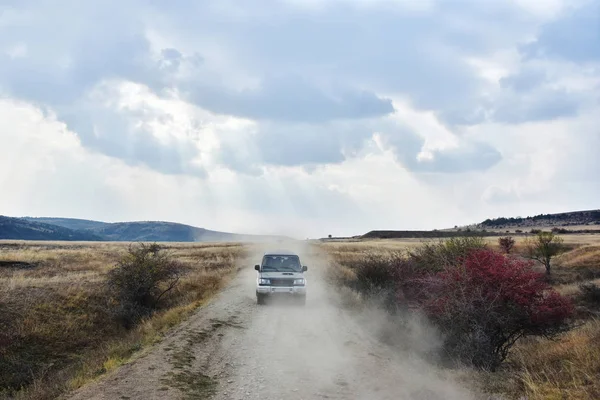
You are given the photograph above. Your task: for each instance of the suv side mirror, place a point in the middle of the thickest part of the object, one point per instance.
(304, 268)
(257, 267)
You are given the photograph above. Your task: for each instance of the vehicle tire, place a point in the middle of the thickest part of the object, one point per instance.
(261, 299)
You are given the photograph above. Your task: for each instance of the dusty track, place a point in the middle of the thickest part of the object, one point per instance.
(234, 349)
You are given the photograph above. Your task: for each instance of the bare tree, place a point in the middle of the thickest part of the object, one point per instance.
(543, 247)
(506, 244)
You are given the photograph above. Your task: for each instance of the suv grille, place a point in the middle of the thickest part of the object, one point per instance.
(282, 282)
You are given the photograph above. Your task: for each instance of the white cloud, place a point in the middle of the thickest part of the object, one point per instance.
(545, 9)
(17, 50)
(328, 116)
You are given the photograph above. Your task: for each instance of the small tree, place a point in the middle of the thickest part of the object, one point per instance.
(141, 279)
(485, 305)
(543, 247)
(506, 244)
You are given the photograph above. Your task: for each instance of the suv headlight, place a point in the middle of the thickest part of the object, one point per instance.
(264, 281)
(299, 282)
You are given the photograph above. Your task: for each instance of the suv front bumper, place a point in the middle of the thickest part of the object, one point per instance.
(281, 290)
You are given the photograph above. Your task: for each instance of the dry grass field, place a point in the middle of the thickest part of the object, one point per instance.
(565, 368)
(56, 328)
(57, 331)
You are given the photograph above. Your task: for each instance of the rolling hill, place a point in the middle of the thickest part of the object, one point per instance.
(566, 219)
(21, 229)
(147, 231)
(587, 221)
(416, 234)
(70, 223)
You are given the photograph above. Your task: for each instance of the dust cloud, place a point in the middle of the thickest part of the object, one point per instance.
(323, 350)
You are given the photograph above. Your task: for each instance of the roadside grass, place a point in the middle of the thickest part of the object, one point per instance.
(567, 367)
(578, 265)
(539, 369)
(57, 331)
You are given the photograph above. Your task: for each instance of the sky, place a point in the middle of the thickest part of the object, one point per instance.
(299, 117)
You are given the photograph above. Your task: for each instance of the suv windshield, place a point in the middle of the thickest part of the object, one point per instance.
(281, 263)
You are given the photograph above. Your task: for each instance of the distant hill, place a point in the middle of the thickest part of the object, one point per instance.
(145, 231)
(21, 229)
(569, 222)
(417, 234)
(70, 223)
(151, 231)
(575, 218)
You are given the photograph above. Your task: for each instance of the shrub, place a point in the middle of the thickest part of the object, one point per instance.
(506, 244)
(377, 275)
(485, 305)
(382, 277)
(590, 292)
(140, 280)
(376, 272)
(437, 255)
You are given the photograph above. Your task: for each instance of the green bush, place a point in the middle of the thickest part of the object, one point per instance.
(590, 293)
(140, 280)
(434, 256)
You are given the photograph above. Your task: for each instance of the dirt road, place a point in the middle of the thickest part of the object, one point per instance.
(235, 349)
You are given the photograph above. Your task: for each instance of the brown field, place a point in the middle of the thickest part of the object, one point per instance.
(56, 330)
(567, 368)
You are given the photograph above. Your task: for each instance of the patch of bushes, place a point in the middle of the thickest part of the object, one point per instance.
(434, 256)
(482, 301)
(384, 277)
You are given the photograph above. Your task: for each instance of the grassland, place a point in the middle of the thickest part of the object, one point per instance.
(57, 331)
(537, 368)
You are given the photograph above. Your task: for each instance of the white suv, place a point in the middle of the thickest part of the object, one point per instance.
(280, 274)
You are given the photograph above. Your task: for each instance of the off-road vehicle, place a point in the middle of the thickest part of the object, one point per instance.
(280, 274)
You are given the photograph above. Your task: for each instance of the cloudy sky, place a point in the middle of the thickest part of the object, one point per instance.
(304, 117)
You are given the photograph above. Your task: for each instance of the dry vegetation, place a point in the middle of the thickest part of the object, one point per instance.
(57, 330)
(537, 368)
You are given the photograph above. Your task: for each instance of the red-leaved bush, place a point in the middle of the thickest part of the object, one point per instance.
(487, 303)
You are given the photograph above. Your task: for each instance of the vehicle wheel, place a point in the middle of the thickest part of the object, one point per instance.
(260, 299)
